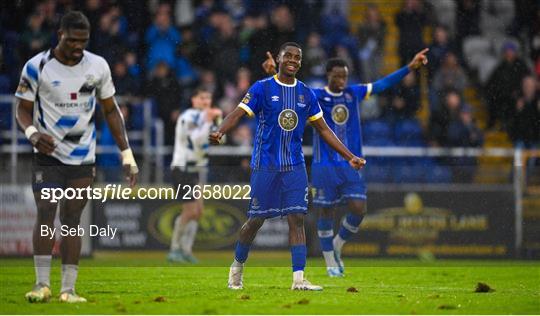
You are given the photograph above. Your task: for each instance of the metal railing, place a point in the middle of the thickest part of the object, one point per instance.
(153, 152)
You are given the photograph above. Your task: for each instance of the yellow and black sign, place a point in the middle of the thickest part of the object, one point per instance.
(441, 223)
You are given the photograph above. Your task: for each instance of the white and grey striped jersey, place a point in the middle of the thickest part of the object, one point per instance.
(191, 140)
(65, 100)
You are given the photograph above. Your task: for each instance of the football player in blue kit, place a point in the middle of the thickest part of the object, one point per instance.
(333, 181)
(281, 105)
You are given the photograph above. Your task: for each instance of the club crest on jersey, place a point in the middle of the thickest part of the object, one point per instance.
(89, 85)
(288, 119)
(255, 203)
(246, 98)
(301, 101)
(23, 87)
(340, 114)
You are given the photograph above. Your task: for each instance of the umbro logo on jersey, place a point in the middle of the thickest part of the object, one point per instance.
(301, 104)
(327, 99)
(55, 83)
(275, 98)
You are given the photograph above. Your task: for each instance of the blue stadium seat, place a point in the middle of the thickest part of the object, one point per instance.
(5, 116)
(377, 133)
(136, 117)
(408, 133)
(438, 174)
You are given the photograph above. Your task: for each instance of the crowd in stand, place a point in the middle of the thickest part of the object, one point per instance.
(164, 49)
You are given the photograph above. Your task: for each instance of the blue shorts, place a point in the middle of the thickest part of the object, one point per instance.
(336, 184)
(278, 193)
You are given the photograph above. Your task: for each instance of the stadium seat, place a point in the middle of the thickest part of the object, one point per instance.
(408, 133)
(5, 116)
(475, 49)
(378, 170)
(438, 174)
(377, 133)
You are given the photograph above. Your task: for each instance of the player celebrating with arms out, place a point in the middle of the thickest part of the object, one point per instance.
(189, 168)
(333, 181)
(56, 101)
(282, 105)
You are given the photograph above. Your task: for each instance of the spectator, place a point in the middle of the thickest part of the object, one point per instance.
(125, 83)
(133, 66)
(313, 59)
(404, 99)
(108, 42)
(450, 76)
(438, 50)
(233, 93)
(440, 118)
(225, 50)
(504, 85)
(411, 21)
(162, 38)
(463, 132)
(165, 90)
(257, 34)
(467, 20)
(36, 38)
(209, 82)
(524, 124)
(371, 35)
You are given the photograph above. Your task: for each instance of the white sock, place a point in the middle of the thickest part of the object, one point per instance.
(69, 277)
(188, 237)
(329, 259)
(42, 266)
(298, 276)
(338, 242)
(178, 231)
(237, 264)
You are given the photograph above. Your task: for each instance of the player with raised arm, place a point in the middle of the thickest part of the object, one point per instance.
(189, 168)
(282, 105)
(56, 100)
(333, 181)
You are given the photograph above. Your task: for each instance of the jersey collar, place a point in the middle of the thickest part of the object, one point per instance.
(285, 84)
(333, 93)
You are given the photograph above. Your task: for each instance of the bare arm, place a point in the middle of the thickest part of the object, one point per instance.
(228, 124)
(44, 143)
(331, 139)
(115, 120)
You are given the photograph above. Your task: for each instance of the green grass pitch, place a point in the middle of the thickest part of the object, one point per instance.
(143, 283)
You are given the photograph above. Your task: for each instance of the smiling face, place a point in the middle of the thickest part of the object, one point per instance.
(337, 78)
(290, 60)
(73, 42)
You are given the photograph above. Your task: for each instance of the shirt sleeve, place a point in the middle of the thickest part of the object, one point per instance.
(105, 88)
(29, 82)
(362, 91)
(251, 103)
(315, 111)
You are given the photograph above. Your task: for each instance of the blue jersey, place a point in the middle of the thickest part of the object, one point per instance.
(342, 114)
(281, 111)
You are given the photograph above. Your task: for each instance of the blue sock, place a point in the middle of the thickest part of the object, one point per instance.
(326, 234)
(241, 252)
(298, 255)
(350, 226)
